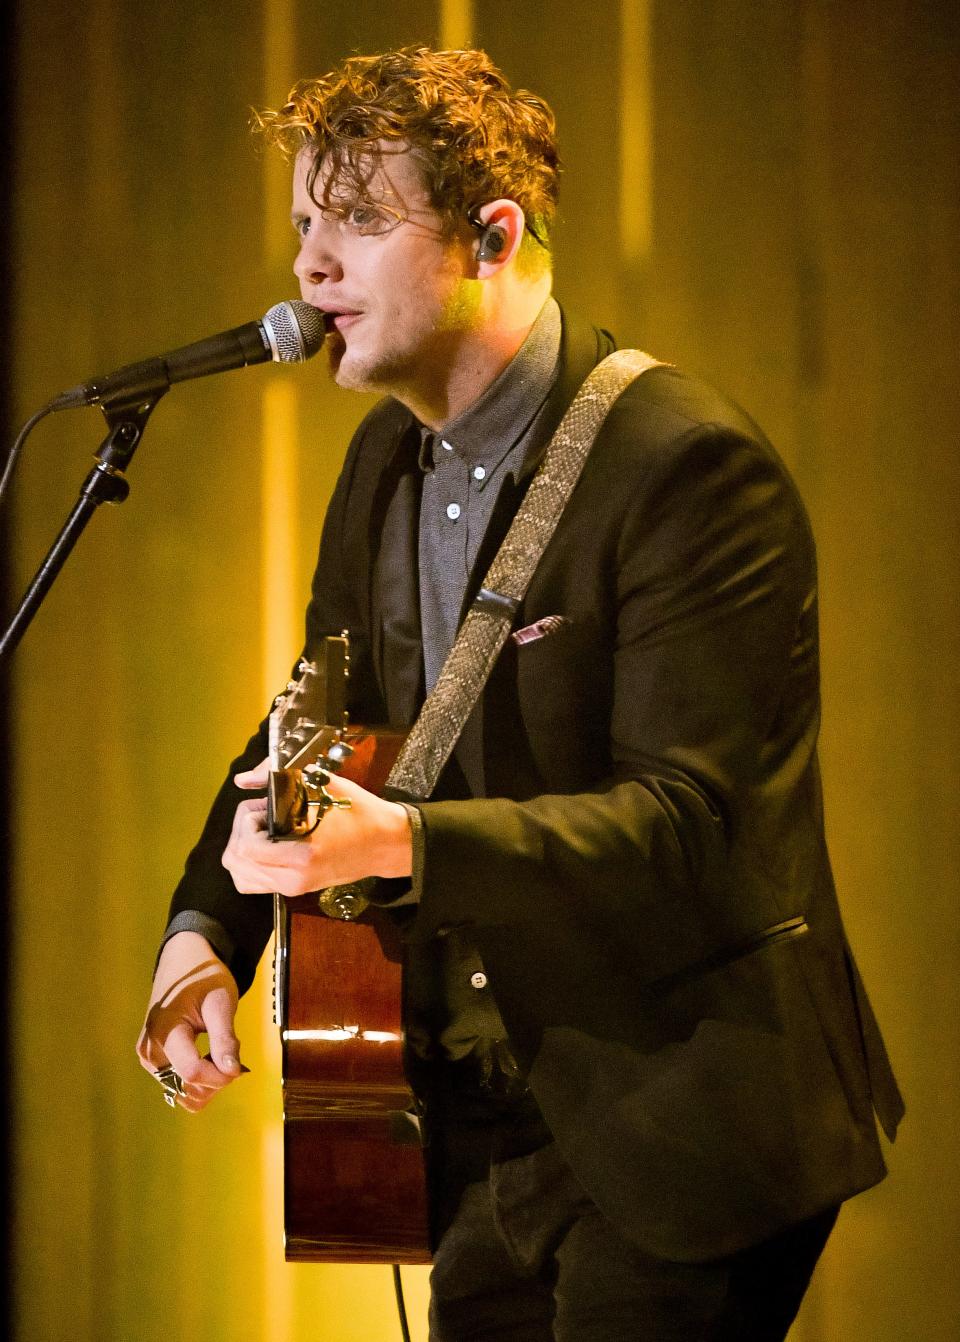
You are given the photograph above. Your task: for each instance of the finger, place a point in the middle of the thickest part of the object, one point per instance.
(153, 1058)
(346, 787)
(250, 852)
(249, 820)
(248, 823)
(242, 858)
(150, 1052)
(253, 778)
(217, 1012)
(252, 813)
(193, 1100)
(250, 881)
(184, 1057)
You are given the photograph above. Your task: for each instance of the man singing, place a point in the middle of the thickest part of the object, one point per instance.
(647, 1066)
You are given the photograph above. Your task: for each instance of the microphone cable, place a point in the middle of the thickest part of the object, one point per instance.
(19, 441)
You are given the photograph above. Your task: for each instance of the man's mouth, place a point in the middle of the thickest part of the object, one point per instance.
(339, 319)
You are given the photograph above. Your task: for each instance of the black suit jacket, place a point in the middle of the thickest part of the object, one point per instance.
(646, 877)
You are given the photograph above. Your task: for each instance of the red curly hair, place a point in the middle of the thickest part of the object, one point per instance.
(475, 138)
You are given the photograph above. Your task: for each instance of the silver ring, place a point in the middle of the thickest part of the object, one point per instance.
(172, 1083)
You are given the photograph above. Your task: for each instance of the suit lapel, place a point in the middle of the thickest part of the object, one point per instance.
(394, 524)
(394, 591)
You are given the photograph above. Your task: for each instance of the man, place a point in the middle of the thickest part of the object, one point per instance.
(647, 1064)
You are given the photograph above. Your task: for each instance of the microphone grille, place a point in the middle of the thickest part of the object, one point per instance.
(295, 331)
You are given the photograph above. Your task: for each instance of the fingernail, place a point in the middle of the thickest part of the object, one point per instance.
(231, 1064)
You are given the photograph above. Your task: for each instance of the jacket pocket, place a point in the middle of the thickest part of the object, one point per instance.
(786, 930)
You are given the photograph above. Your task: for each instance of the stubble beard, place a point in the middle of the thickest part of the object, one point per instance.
(382, 373)
(398, 371)
(391, 372)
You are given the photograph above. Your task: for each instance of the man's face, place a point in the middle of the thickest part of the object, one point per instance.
(394, 286)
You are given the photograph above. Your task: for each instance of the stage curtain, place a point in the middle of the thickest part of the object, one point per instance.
(767, 195)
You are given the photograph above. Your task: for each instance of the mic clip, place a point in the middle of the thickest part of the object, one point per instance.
(126, 417)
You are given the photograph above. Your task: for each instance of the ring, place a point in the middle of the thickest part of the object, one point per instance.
(172, 1083)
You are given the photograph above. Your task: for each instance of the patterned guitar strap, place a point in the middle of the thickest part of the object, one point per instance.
(490, 617)
(488, 622)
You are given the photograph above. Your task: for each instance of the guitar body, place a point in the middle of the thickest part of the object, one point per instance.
(354, 1181)
(354, 1187)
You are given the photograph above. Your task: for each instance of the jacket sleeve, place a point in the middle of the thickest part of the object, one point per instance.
(241, 923)
(712, 661)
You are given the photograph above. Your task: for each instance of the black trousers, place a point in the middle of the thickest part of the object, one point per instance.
(525, 1256)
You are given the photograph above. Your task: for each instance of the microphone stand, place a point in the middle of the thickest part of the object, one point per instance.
(126, 417)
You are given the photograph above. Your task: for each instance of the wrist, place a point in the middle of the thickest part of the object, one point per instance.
(396, 857)
(183, 946)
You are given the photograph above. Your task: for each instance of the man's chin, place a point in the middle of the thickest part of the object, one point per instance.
(353, 373)
(334, 348)
(346, 371)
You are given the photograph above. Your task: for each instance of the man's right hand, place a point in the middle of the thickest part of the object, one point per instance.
(194, 993)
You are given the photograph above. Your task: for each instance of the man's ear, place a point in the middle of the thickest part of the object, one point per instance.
(501, 226)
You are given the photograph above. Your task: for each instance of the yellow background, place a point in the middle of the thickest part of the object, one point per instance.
(765, 193)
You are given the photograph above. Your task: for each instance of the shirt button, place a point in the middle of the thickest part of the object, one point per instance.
(479, 473)
(453, 511)
(447, 447)
(479, 979)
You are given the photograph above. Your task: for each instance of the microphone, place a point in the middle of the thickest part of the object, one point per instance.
(289, 333)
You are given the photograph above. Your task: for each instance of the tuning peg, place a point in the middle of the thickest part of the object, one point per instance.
(302, 730)
(338, 754)
(315, 779)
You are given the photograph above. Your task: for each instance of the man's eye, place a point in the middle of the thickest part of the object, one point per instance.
(367, 219)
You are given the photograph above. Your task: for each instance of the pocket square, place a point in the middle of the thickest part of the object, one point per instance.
(550, 624)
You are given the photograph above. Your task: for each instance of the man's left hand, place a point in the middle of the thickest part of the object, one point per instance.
(370, 838)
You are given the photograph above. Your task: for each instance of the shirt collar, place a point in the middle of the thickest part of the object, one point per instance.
(497, 420)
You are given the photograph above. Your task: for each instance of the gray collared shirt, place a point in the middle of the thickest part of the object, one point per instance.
(465, 466)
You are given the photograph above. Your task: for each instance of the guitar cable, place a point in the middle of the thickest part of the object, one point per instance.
(401, 1308)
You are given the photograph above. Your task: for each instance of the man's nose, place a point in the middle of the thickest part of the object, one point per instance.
(318, 258)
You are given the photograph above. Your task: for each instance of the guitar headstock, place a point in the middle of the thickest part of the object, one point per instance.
(306, 731)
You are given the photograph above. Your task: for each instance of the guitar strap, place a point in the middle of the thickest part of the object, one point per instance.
(491, 615)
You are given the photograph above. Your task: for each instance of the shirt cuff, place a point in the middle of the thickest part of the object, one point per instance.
(418, 841)
(410, 894)
(191, 920)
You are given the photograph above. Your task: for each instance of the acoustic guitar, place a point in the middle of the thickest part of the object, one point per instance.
(354, 1185)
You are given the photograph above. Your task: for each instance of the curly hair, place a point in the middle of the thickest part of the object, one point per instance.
(475, 138)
